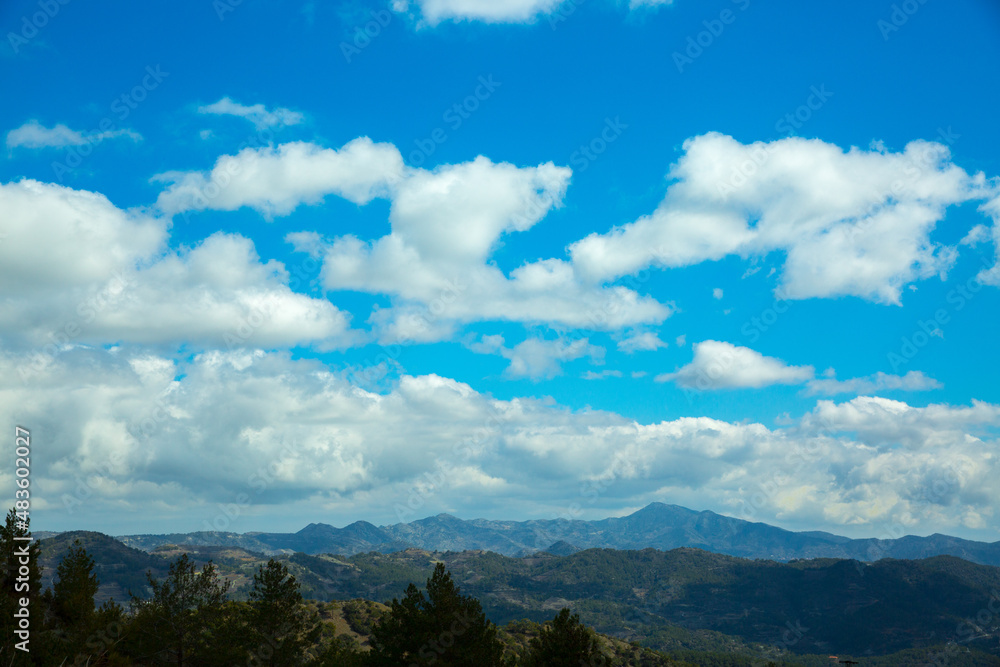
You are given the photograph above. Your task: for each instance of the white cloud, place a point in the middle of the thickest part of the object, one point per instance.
(717, 293)
(58, 238)
(535, 358)
(882, 422)
(850, 223)
(434, 12)
(276, 180)
(719, 365)
(181, 436)
(446, 224)
(640, 341)
(488, 11)
(601, 375)
(75, 269)
(256, 114)
(35, 135)
(912, 381)
(990, 276)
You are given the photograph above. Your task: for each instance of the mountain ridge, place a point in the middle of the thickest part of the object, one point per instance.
(657, 525)
(682, 599)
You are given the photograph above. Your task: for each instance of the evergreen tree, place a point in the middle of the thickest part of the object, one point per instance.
(74, 589)
(565, 643)
(342, 651)
(176, 625)
(71, 616)
(281, 628)
(444, 628)
(20, 578)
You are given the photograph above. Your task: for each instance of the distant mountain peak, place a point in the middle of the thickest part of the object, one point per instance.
(658, 525)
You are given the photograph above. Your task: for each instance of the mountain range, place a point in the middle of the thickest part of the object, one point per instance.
(683, 600)
(658, 526)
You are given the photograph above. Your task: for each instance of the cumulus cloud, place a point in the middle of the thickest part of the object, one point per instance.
(855, 222)
(882, 422)
(433, 12)
(488, 11)
(535, 358)
(256, 113)
(185, 435)
(276, 180)
(912, 381)
(75, 269)
(990, 276)
(446, 224)
(35, 135)
(640, 341)
(720, 365)
(600, 375)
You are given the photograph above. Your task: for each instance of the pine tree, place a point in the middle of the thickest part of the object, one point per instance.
(565, 643)
(176, 624)
(444, 628)
(282, 629)
(71, 616)
(21, 577)
(74, 589)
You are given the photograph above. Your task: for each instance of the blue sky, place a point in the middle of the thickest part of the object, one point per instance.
(271, 263)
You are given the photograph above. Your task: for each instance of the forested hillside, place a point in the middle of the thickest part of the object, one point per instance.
(684, 599)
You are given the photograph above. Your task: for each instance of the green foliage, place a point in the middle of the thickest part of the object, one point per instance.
(443, 628)
(342, 651)
(564, 643)
(20, 578)
(278, 624)
(177, 625)
(703, 608)
(75, 587)
(360, 615)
